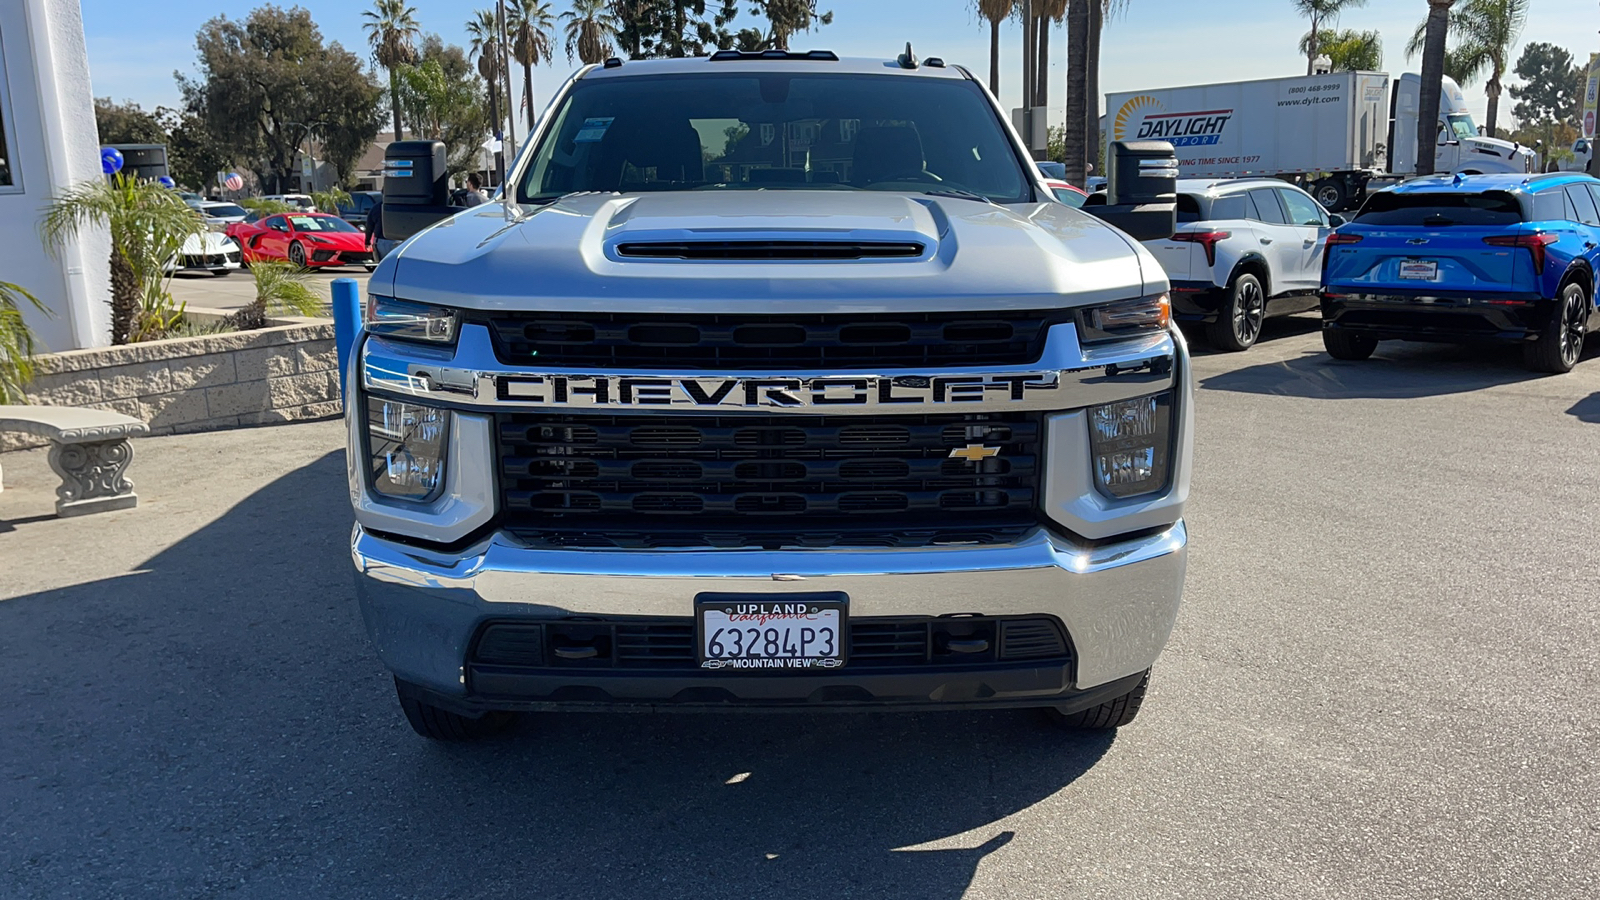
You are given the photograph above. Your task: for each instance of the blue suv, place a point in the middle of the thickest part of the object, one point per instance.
(1467, 258)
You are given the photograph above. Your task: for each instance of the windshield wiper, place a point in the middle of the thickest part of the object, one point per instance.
(961, 194)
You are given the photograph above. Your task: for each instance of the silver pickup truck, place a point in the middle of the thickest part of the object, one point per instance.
(771, 380)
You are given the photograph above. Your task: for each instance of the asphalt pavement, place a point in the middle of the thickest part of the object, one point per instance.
(238, 289)
(1383, 684)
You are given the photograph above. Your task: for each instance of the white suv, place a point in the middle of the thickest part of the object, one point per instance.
(1244, 250)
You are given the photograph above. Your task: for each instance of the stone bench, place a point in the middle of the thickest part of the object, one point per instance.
(89, 449)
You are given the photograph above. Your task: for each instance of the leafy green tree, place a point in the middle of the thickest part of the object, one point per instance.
(265, 82)
(1483, 33)
(672, 28)
(591, 30)
(127, 123)
(785, 18)
(1350, 50)
(489, 51)
(194, 155)
(444, 101)
(1553, 88)
(148, 226)
(1321, 12)
(531, 45)
(17, 343)
(392, 30)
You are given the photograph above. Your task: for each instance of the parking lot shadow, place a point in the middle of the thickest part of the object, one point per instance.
(215, 722)
(1399, 371)
(1587, 409)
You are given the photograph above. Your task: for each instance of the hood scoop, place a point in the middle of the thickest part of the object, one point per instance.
(769, 250)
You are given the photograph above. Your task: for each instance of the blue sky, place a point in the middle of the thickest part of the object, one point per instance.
(1157, 43)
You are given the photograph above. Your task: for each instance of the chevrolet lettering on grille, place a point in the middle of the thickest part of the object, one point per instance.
(825, 393)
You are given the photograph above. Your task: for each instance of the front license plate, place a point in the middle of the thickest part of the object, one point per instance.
(1419, 269)
(759, 632)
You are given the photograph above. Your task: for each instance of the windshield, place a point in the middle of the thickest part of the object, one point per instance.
(320, 223)
(775, 131)
(223, 212)
(1462, 126)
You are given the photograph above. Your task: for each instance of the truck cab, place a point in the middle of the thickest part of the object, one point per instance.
(1461, 149)
(772, 380)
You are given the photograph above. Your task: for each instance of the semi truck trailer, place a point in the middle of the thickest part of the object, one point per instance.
(1332, 134)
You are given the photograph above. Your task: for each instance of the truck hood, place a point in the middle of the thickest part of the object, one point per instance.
(1493, 148)
(614, 253)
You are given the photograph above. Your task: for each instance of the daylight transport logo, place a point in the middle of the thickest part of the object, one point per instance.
(1144, 118)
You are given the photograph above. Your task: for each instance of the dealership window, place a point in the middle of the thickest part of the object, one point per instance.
(10, 179)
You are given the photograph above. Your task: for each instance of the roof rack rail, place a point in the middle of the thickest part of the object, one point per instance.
(735, 55)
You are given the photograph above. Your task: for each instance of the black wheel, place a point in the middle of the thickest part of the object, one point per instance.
(221, 273)
(297, 254)
(1344, 345)
(1239, 321)
(1110, 714)
(443, 725)
(1331, 194)
(1561, 342)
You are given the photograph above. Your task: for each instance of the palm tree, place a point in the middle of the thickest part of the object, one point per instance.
(391, 31)
(996, 11)
(148, 227)
(1047, 11)
(590, 30)
(1321, 12)
(531, 44)
(1437, 30)
(281, 288)
(487, 50)
(1100, 11)
(1485, 32)
(1075, 139)
(1349, 50)
(17, 343)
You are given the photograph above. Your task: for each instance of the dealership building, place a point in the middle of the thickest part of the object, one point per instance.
(48, 142)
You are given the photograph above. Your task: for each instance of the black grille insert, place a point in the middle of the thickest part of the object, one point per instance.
(874, 642)
(621, 480)
(723, 342)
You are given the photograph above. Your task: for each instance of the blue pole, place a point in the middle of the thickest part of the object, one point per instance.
(346, 323)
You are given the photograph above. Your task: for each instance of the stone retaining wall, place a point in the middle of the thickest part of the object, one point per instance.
(285, 373)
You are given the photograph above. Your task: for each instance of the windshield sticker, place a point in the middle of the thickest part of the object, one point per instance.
(594, 129)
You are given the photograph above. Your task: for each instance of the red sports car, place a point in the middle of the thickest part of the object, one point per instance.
(308, 240)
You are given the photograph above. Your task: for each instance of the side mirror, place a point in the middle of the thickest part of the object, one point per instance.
(415, 185)
(1142, 191)
(1335, 220)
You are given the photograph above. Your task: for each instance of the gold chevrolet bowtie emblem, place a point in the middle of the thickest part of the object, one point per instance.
(974, 452)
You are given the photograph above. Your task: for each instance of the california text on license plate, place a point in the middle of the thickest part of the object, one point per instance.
(766, 631)
(1419, 269)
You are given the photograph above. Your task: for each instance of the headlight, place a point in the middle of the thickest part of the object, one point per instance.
(389, 317)
(1125, 318)
(1132, 445)
(405, 446)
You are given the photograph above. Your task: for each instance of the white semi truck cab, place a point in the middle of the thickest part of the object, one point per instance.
(1461, 148)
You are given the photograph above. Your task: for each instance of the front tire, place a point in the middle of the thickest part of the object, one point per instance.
(1344, 345)
(297, 254)
(1110, 714)
(1561, 342)
(1238, 324)
(439, 724)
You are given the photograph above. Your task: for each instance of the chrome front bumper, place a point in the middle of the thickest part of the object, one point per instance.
(1118, 600)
